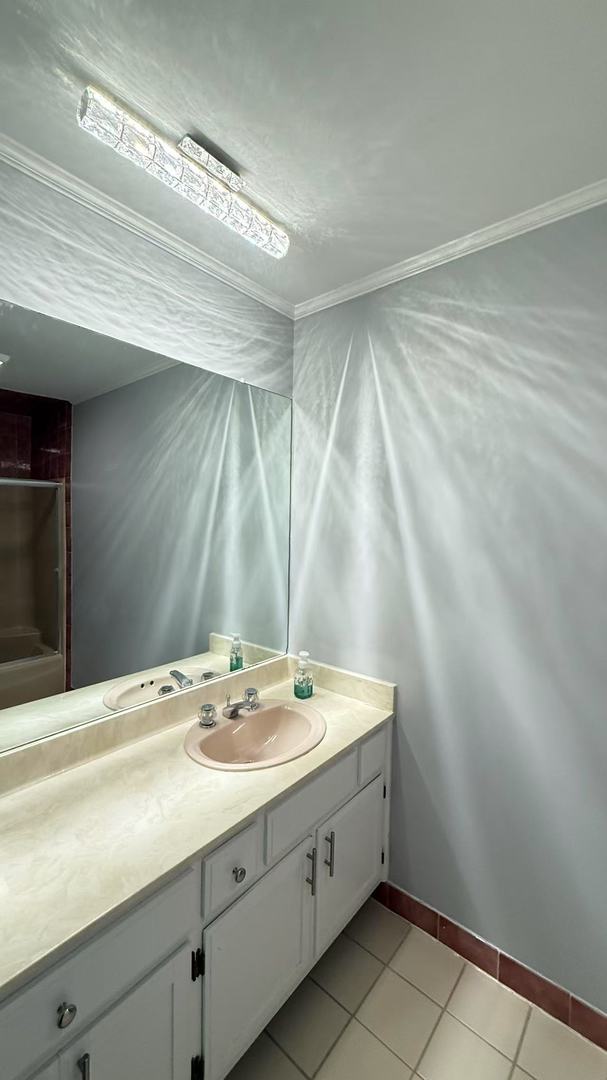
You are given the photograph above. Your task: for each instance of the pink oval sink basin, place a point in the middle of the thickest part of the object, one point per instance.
(275, 732)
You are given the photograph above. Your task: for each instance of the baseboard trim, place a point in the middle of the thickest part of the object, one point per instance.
(535, 988)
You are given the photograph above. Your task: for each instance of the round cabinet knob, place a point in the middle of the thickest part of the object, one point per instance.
(240, 874)
(65, 1014)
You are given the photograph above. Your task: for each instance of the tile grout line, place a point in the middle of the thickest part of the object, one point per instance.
(428, 998)
(520, 1042)
(477, 1033)
(287, 1055)
(409, 926)
(386, 967)
(440, 1016)
(383, 965)
(333, 1045)
(340, 1003)
(444, 1009)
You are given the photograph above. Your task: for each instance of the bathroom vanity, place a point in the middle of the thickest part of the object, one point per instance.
(126, 957)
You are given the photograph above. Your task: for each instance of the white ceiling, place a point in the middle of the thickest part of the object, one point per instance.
(373, 131)
(51, 358)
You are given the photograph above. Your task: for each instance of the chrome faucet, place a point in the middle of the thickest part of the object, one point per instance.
(250, 701)
(181, 679)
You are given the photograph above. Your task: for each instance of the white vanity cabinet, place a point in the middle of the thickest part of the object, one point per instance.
(180, 986)
(260, 948)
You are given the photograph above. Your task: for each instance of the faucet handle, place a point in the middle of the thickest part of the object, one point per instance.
(207, 716)
(251, 696)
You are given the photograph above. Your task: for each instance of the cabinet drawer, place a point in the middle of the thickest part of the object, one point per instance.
(95, 976)
(222, 872)
(300, 812)
(373, 756)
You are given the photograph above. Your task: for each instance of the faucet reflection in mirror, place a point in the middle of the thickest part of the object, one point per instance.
(144, 509)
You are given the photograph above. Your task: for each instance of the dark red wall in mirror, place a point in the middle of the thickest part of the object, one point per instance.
(36, 444)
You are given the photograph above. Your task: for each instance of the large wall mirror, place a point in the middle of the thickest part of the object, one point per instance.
(144, 525)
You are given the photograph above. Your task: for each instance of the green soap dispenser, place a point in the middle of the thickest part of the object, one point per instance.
(236, 658)
(303, 683)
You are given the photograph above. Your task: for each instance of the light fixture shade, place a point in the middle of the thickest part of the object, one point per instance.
(137, 142)
(193, 150)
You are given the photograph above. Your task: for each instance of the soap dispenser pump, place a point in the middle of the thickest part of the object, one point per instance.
(236, 658)
(303, 683)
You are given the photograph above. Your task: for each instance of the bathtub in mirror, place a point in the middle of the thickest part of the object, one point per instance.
(144, 521)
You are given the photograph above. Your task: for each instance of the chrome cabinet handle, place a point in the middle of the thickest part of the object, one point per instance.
(330, 862)
(240, 874)
(311, 881)
(84, 1064)
(65, 1014)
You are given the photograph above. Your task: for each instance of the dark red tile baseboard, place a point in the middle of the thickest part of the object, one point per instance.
(535, 988)
(546, 995)
(589, 1022)
(469, 946)
(413, 911)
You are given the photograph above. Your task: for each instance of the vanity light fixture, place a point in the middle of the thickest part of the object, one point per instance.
(4, 359)
(138, 142)
(194, 150)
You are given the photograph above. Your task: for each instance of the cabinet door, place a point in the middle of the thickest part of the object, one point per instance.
(153, 1032)
(255, 955)
(352, 841)
(50, 1072)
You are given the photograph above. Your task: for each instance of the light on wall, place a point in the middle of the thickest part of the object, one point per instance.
(129, 136)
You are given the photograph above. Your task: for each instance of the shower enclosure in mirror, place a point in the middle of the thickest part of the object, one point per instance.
(144, 522)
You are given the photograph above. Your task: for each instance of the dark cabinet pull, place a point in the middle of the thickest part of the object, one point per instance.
(240, 874)
(65, 1014)
(330, 862)
(84, 1064)
(311, 881)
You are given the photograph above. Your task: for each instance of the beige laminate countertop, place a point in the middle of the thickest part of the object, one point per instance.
(81, 846)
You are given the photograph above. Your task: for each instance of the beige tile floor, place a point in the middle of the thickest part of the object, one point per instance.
(388, 1002)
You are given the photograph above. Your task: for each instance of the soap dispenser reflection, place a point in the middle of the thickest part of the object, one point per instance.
(303, 683)
(236, 658)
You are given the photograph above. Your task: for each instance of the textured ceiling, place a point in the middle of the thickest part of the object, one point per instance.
(373, 131)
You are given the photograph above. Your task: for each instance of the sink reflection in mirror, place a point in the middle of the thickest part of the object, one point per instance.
(157, 683)
(272, 733)
(144, 513)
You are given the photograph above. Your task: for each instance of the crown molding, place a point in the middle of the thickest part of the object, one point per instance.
(53, 176)
(545, 214)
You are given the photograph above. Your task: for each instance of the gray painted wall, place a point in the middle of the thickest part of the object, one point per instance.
(450, 534)
(62, 259)
(180, 520)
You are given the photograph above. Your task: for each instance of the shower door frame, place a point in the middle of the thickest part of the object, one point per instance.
(59, 486)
